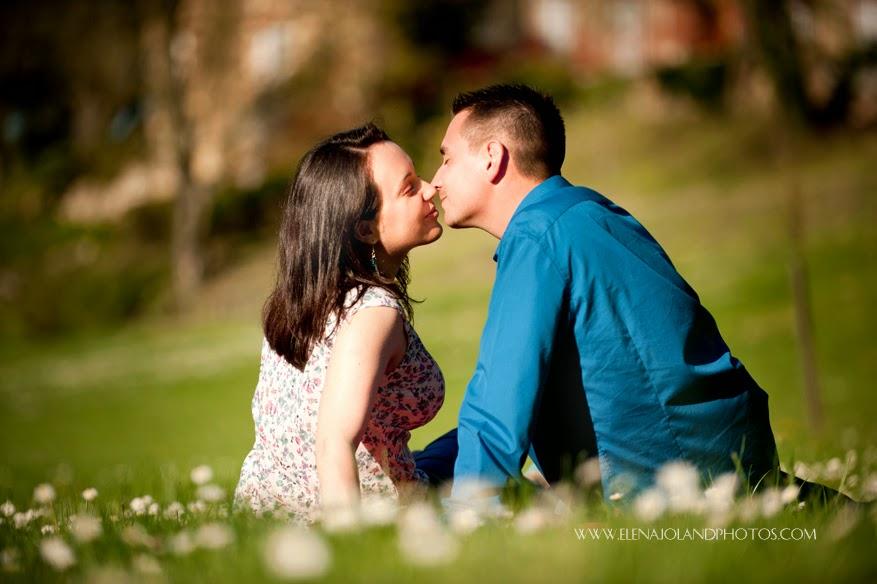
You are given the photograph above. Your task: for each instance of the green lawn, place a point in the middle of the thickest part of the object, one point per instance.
(132, 410)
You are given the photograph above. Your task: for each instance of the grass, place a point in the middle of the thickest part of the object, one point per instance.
(131, 410)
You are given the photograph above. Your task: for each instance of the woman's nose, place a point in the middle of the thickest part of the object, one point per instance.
(428, 191)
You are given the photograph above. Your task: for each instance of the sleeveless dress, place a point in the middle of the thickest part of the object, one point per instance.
(280, 472)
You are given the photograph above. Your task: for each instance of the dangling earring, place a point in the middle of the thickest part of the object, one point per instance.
(374, 261)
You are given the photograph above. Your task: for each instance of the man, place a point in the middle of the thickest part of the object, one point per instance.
(594, 345)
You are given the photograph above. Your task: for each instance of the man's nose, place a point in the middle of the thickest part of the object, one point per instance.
(435, 179)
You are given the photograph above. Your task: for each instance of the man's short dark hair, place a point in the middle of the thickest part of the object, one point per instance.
(529, 119)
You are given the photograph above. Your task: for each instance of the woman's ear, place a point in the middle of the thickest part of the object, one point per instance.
(367, 231)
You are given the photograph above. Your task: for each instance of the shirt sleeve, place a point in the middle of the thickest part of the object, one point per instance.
(526, 305)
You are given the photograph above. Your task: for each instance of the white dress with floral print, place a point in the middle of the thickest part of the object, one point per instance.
(280, 472)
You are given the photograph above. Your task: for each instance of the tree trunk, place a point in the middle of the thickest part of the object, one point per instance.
(771, 28)
(186, 248)
(192, 105)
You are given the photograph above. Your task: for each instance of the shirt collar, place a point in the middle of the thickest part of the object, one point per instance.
(538, 194)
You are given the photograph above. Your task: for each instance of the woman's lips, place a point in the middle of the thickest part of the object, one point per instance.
(432, 213)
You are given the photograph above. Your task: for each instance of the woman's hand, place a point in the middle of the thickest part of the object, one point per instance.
(367, 346)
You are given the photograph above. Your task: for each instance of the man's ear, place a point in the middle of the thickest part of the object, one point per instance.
(366, 231)
(497, 160)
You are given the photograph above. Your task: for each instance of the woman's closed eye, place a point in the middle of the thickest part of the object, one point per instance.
(413, 188)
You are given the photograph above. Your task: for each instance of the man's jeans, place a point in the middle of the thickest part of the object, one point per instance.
(438, 458)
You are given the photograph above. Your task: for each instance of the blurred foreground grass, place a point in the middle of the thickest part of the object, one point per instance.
(130, 411)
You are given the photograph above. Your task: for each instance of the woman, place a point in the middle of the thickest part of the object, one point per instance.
(344, 377)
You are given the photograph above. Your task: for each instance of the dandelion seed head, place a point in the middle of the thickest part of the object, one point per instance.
(340, 518)
(44, 494)
(789, 493)
(210, 493)
(869, 486)
(23, 518)
(57, 554)
(531, 520)
(182, 543)
(771, 502)
(214, 536)
(588, 473)
(85, 528)
(376, 511)
(843, 523)
(650, 505)
(9, 560)
(89, 494)
(135, 535)
(834, 468)
(47, 529)
(802, 470)
(473, 489)
(851, 458)
(7, 509)
(201, 475)
(292, 553)
(559, 501)
(174, 511)
(428, 548)
(719, 496)
(680, 482)
(138, 505)
(423, 540)
(419, 516)
(749, 509)
(465, 521)
(146, 564)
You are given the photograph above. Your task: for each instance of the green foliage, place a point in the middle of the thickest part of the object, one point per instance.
(704, 80)
(61, 278)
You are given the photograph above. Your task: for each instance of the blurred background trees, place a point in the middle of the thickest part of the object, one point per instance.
(145, 144)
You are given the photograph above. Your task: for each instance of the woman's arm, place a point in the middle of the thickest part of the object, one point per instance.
(366, 347)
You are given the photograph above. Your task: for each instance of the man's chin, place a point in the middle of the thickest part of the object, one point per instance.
(452, 222)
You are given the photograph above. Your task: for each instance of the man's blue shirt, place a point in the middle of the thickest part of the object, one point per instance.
(589, 317)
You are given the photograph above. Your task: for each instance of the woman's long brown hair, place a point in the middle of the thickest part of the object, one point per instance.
(320, 258)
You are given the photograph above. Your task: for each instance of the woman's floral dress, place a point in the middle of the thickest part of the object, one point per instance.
(280, 472)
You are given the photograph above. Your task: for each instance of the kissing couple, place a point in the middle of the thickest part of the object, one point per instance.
(594, 347)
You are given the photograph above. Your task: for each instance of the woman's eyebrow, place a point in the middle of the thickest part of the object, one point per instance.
(404, 180)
